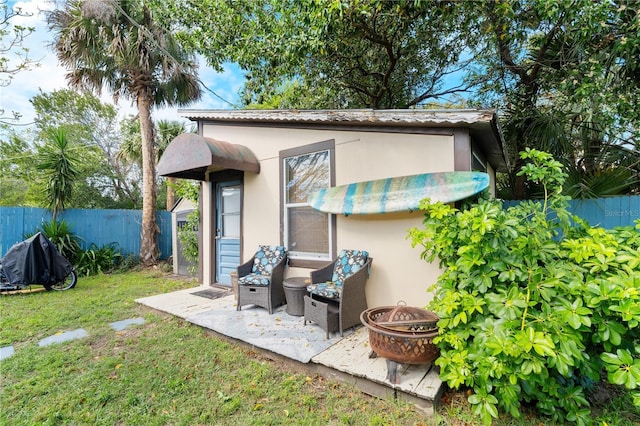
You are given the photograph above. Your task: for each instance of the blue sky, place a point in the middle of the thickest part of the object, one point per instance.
(49, 76)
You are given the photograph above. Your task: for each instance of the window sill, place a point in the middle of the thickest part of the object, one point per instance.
(308, 263)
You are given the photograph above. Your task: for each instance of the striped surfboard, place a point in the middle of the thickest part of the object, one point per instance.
(398, 194)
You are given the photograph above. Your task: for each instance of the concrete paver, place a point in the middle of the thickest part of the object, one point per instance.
(63, 337)
(6, 352)
(121, 325)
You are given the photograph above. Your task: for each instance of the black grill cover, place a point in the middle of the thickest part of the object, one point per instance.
(35, 261)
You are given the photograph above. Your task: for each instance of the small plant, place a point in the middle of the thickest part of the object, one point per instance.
(534, 303)
(98, 260)
(188, 234)
(128, 262)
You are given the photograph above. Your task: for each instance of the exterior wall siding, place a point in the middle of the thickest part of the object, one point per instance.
(397, 273)
(99, 227)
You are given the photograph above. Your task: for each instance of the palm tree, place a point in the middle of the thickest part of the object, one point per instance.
(167, 131)
(59, 167)
(116, 44)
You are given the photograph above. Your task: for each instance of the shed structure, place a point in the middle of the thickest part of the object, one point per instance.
(257, 169)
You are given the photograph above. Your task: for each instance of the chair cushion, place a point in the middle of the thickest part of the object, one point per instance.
(266, 258)
(348, 263)
(255, 279)
(328, 290)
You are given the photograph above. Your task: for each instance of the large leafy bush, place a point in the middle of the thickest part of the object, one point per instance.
(535, 304)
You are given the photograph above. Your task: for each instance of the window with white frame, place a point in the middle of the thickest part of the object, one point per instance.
(307, 233)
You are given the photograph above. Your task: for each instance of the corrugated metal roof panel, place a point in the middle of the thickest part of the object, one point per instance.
(363, 117)
(482, 123)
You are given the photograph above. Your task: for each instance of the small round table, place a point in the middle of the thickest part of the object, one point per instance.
(294, 290)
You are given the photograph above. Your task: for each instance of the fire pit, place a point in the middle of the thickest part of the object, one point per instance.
(401, 334)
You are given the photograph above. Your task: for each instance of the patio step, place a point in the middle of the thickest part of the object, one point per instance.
(419, 384)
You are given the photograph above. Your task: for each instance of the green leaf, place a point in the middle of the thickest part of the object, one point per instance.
(622, 368)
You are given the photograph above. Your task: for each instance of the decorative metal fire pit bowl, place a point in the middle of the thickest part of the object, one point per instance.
(402, 333)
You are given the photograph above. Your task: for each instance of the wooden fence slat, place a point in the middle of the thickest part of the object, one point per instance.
(607, 213)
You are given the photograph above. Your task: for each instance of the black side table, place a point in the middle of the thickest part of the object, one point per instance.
(295, 288)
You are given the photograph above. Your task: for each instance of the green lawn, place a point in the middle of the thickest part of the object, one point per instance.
(166, 371)
(170, 372)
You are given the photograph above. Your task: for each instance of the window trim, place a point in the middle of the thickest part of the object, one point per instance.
(476, 155)
(328, 145)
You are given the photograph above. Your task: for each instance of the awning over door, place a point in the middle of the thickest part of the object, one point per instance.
(191, 156)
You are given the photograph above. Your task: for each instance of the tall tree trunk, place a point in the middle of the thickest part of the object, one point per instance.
(171, 194)
(149, 242)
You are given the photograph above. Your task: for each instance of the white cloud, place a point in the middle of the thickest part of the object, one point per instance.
(49, 76)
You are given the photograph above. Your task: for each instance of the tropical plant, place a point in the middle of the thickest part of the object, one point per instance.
(188, 235)
(117, 44)
(96, 260)
(60, 168)
(60, 234)
(131, 148)
(165, 132)
(168, 131)
(533, 302)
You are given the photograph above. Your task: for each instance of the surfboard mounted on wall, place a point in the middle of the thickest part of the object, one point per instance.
(398, 194)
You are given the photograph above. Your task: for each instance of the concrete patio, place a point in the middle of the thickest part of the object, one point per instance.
(285, 336)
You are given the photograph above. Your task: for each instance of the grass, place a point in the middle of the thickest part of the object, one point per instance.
(170, 372)
(166, 371)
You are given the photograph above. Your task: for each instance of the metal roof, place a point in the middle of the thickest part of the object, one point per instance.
(360, 116)
(191, 156)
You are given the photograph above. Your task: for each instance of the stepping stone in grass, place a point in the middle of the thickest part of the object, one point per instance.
(6, 352)
(63, 337)
(121, 325)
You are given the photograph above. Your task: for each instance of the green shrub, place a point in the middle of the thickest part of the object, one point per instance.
(534, 303)
(59, 233)
(188, 236)
(97, 260)
(128, 262)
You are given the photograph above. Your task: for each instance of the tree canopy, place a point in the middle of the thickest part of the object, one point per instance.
(562, 74)
(375, 54)
(94, 134)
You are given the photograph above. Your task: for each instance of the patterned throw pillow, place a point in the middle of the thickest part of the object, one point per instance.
(348, 263)
(266, 258)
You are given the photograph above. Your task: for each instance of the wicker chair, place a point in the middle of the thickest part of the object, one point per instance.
(336, 296)
(260, 278)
